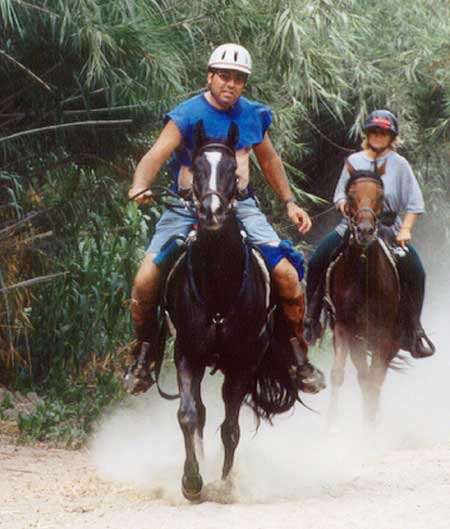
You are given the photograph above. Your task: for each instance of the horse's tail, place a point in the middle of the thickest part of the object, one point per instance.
(272, 391)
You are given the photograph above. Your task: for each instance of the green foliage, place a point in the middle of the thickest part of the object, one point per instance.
(70, 409)
(5, 404)
(84, 85)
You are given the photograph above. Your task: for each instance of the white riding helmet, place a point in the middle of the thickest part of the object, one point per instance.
(231, 57)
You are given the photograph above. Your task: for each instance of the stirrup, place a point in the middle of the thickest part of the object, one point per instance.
(304, 375)
(137, 378)
(422, 346)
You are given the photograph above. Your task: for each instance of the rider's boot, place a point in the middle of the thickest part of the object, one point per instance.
(313, 328)
(315, 290)
(138, 377)
(415, 340)
(412, 280)
(305, 375)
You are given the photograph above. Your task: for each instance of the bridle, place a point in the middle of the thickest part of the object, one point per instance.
(353, 225)
(226, 203)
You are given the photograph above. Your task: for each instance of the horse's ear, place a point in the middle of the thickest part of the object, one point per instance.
(351, 170)
(381, 169)
(199, 134)
(233, 136)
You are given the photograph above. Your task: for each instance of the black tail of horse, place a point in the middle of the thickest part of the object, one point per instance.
(272, 391)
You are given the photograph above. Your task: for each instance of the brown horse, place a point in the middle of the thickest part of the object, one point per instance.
(363, 291)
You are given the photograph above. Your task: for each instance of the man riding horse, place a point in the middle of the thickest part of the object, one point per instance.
(221, 104)
(401, 194)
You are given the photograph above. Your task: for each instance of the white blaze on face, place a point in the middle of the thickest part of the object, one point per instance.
(214, 160)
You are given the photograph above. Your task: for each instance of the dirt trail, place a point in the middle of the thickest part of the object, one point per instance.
(291, 476)
(48, 488)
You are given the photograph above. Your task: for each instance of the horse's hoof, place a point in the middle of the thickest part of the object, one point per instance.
(192, 493)
(137, 379)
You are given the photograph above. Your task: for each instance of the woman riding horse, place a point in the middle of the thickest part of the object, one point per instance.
(401, 193)
(363, 294)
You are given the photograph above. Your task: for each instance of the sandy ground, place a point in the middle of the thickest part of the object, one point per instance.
(46, 488)
(292, 475)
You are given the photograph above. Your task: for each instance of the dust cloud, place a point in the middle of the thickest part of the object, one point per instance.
(140, 443)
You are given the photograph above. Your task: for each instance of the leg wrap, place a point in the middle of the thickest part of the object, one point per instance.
(144, 318)
(294, 311)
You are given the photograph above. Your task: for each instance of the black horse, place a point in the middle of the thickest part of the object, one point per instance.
(364, 294)
(218, 296)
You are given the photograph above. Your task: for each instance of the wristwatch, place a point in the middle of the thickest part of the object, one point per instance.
(289, 201)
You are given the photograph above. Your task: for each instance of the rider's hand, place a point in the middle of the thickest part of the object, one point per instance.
(343, 208)
(403, 236)
(299, 217)
(145, 196)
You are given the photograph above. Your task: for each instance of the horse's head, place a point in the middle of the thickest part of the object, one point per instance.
(214, 176)
(365, 194)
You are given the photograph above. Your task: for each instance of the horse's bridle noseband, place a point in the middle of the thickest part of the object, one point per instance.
(376, 218)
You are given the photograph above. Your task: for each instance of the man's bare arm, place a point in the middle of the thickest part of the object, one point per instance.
(274, 172)
(150, 164)
(273, 169)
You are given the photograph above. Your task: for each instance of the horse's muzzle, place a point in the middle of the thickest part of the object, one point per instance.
(365, 233)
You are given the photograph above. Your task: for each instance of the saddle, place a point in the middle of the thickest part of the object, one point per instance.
(175, 252)
(392, 252)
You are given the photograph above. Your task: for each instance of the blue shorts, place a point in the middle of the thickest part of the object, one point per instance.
(172, 223)
(259, 232)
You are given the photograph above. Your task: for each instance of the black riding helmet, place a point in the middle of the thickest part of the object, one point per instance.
(382, 119)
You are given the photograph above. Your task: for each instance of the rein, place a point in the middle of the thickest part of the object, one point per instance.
(223, 201)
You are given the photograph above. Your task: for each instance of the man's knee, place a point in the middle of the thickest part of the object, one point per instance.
(286, 279)
(147, 277)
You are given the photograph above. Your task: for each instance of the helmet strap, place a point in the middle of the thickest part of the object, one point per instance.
(376, 150)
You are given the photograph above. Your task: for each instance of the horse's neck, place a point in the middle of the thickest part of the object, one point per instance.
(218, 263)
(363, 284)
(372, 260)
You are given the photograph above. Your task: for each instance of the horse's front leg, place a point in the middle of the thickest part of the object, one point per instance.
(341, 349)
(359, 354)
(377, 374)
(191, 417)
(233, 392)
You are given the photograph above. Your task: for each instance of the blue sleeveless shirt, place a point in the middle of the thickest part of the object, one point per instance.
(253, 119)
